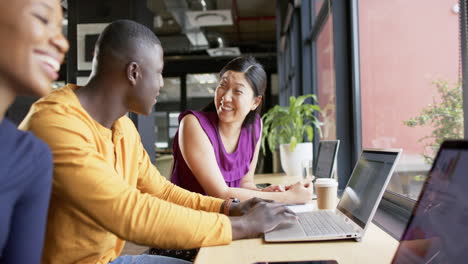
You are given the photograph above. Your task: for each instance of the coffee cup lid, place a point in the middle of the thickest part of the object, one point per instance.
(323, 179)
(326, 182)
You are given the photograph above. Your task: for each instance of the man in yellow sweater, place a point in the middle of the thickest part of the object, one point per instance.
(105, 189)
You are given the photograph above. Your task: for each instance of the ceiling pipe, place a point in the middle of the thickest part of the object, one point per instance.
(256, 18)
(203, 4)
(206, 57)
(216, 40)
(220, 42)
(194, 34)
(235, 18)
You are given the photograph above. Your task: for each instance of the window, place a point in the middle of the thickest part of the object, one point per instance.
(167, 107)
(289, 61)
(171, 90)
(161, 130)
(166, 126)
(317, 6)
(325, 83)
(274, 85)
(200, 89)
(406, 65)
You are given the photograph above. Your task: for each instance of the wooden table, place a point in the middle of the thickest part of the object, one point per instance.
(275, 178)
(376, 246)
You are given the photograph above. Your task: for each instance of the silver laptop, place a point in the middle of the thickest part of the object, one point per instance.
(326, 158)
(356, 208)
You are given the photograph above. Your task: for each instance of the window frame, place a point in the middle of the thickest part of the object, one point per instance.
(464, 53)
(394, 209)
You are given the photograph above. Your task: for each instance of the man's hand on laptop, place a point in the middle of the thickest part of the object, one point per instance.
(261, 218)
(239, 209)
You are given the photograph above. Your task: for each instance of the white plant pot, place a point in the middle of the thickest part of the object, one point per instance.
(291, 161)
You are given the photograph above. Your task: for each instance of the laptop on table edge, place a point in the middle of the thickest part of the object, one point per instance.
(357, 206)
(326, 158)
(325, 162)
(437, 231)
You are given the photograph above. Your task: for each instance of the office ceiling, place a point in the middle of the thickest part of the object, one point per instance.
(253, 28)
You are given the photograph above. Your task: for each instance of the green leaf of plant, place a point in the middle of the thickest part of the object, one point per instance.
(310, 132)
(284, 124)
(292, 143)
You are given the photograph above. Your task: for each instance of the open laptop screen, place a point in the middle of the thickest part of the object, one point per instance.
(366, 184)
(326, 158)
(438, 228)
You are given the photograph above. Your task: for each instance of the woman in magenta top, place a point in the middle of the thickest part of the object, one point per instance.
(216, 150)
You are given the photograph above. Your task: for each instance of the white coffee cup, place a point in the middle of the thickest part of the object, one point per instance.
(326, 190)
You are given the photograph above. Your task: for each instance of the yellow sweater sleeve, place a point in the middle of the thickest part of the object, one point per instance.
(89, 184)
(150, 181)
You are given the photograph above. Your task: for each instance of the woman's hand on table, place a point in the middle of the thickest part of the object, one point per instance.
(301, 192)
(307, 181)
(283, 188)
(274, 188)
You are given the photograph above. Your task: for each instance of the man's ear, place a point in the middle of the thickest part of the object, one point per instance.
(133, 72)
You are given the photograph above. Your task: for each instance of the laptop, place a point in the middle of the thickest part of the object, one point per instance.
(356, 208)
(437, 231)
(326, 161)
(326, 158)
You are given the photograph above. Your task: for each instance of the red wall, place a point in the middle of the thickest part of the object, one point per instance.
(404, 46)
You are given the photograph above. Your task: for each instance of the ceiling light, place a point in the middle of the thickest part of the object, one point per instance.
(227, 51)
(209, 18)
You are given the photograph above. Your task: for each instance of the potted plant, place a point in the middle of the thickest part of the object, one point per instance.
(291, 128)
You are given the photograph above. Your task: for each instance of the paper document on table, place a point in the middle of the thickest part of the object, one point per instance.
(301, 208)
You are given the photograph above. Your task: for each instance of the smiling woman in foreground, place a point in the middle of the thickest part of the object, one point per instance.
(33, 48)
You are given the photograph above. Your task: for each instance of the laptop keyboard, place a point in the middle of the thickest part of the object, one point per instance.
(323, 223)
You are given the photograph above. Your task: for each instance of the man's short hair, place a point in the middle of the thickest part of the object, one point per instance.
(123, 37)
